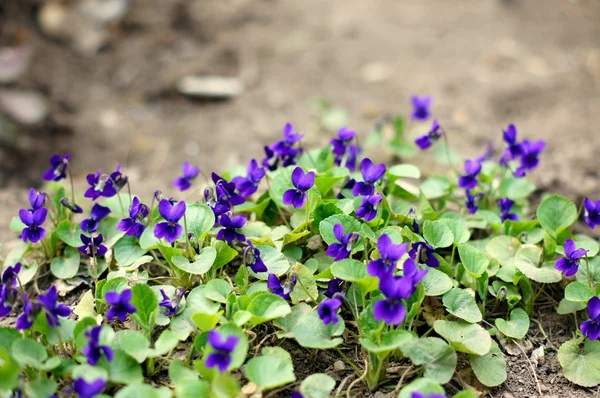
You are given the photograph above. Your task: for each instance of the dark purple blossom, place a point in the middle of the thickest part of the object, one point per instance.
(171, 304)
(71, 206)
(591, 327)
(189, 175)
(570, 263)
(421, 107)
(253, 259)
(31, 309)
(343, 249)
(33, 231)
(344, 152)
(513, 147)
(426, 140)
(412, 271)
(118, 179)
(133, 226)
(8, 289)
(371, 173)
(297, 394)
(222, 348)
(348, 184)
(36, 199)
(226, 191)
(395, 289)
(98, 212)
(472, 202)
(334, 286)
(100, 185)
(119, 305)
(303, 182)
(327, 309)
(368, 207)
(505, 205)
(530, 156)
(170, 229)
(58, 171)
(93, 350)
(390, 254)
(283, 290)
(352, 156)
(218, 208)
(469, 181)
(423, 253)
(83, 389)
(248, 185)
(230, 232)
(52, 308)
(92, 247)
(592, 212)
(283, 151)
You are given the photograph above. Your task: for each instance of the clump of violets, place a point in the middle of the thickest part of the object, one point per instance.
(58, 168)
(390, 254)
(592, 212)
(171, 304)
(8, 289)
(253, 259)
(472, 170)
(52, 308)
(425, 141)
(368, 207)
(327, 309)
(591, 327)
(505, 206)
(230, 230)
(119, 305)
(190, 173)
(133, 225)
(526, 152)
(371, 174)
(283, 290)
(421, 107)
(222, 349)
(248, 185)
(226, 193)
(94, 350)
(283, 152)
(472, 202)
(170, 229)
(513, 147)
(100, 185)
(424, 253)
(302, 182)
(98, 212)
(343, 249)
(92, 246)
(85, 389)
(345, 153)
(33, 220)
(570, 263)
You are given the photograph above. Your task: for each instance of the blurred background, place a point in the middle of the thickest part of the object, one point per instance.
(151, 83)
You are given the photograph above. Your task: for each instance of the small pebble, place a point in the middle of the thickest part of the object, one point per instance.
(339, 365)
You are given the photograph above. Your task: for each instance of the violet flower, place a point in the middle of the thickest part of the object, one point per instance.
(98, 212)
(426, 140)
(133, 226)
(591, 327)
(253, 259)
(248, 185)
(390, 253)
(421, 107)
(283, 151)
(93, 350)
(592, 213)
(92, 247)
(343, 249)
(327, 309)
(417, 394)
(170, 229)
(31, 310)
(33, 231)
(119, 305)
(368, 207)
(395, 289)
(223, 347)
(351, 157)
(570, 263)
(8, 289)
(226, 191)
(472, 202)
(189, 175)
(469, 181)
(51, 307)
(348, 184)
(371, 173)
(513, 147)
(58, 171)
(303, 182)
(423, 253)
(83, 389)
(230, 232)
(334, 286)
(283, 290)
(344, 153)
(218, 208)
(36, 199)
(118, 179)
(172, 305)
(530, 156)
(412, 271)
(505, 205)
(100, 185)
(71, 206)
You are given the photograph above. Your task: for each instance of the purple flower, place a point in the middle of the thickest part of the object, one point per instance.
(36, 199)
(417, 394)
(423, 253)
(118, 179)
(248, 185)
(345, 154)
(513, 148)
(371, 174)
(592, 213)
(229, 232)
(390, 254)
(226, 191)
(472, 202)
(100, 185)
(591, 327)
(395, 289)
(327, 309)
(303, 182)
(435, 133)
(282, 290)
(343, 249)
(98, 212)
(172, 305)
(33, 231)
(92, 247)
(52, 308)
(30, 312)
(189, 175)
(253, 259)
(93, 350)
(412, 271)
(119, 305)
(89, 390)
(421, 107)
(222, 347)
(352, 156)
(530, 156)
(570, 263)
(133, 225)
(348, 184)
(58, 171)
(169, 229)
(8, 289)
(469, 181)
(218, 208)
(368, 207)
(505, 205)
(297, 394)
(71, 206)
(283, 151)
(334, 286)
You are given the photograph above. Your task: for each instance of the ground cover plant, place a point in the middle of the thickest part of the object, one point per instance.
(322, 249)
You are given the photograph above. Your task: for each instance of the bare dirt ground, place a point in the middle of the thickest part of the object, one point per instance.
(535, 63)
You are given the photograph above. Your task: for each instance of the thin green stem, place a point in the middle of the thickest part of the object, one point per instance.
(348, 361)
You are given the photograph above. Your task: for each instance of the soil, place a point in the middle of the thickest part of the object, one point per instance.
(488, 63)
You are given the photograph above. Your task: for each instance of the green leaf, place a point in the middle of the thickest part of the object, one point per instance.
(217, 290)
(556, 214)
(516, 327)
(114, 285)
(202, 262)
(423, 386)
(436, 356)
(41, 388)
(311, 332)
(8, 336)
(86, 306)
(224, 253)
(269, 372)
(200, 219)
(137, 391)
(325, 182)
(133, 344)
(569, 307)
(403, 171)
(9, 371)
(581, 366)
(465, 337)
(437, 234)
(180, 374)
(354, 271)
(474, 261)
(527, 260)
(265, 307)
(466, 394)
(148, 241)
(146, 305)
(389, 342)
(515, 188)
(29, 352)
(349, 223)
(274, 260)
(578, 292)
(164, 344)
(436, 282)
(205, 322)
(305, 277)
(123, 369)
(66, 267)
(490, 368)
(128, 251)
(321, 212)
(318, 385)
(459, 229)
(461, 304)
(193, 389)
(69, 233)
(289, 322)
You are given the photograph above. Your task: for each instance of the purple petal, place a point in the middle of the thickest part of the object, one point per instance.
(288, 196)
(164, 208)
(338, 231)
(594, 308)
(177, 211)
(569, 247)
(299, 200)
